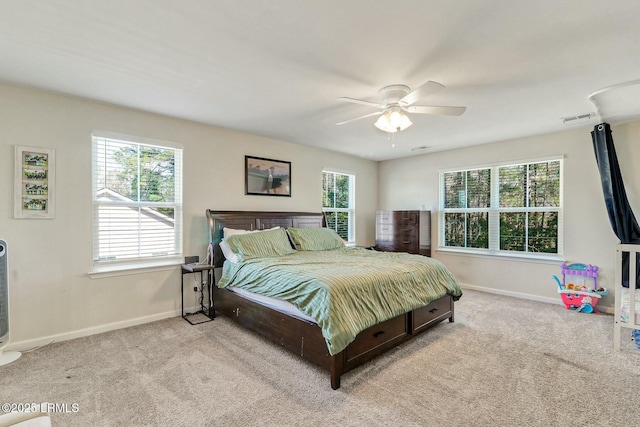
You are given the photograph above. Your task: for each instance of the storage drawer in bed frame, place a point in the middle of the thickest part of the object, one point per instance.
(384, 334)
(435, 312)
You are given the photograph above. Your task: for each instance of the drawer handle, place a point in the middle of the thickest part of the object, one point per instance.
(433, 310)
(377, 334)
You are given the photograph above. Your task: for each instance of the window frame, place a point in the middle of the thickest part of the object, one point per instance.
(351, 210)
(495, 210)
(113, 266)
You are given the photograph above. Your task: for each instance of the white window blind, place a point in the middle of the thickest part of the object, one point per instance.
(137, 199)
(338, 203)
(503, 209)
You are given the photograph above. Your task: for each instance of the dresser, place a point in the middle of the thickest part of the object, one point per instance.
(404, 231)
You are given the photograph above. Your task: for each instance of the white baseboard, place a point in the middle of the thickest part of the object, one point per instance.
(27, 345)
(603, 309)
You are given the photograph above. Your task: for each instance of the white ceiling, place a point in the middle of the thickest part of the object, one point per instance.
(275, 67)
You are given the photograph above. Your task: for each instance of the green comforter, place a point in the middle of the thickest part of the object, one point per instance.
(345, 290)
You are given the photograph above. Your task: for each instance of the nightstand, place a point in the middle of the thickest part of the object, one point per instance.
(207, 311)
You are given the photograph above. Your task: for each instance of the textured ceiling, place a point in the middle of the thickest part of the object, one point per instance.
(275, 68)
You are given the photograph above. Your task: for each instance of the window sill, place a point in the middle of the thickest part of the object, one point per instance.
(540, 259)
(100, 271)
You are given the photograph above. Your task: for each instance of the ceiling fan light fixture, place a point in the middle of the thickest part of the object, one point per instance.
(393, 120)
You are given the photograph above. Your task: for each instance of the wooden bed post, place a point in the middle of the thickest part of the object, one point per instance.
(337, 364)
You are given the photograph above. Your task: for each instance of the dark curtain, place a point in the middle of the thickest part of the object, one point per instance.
(623, 221)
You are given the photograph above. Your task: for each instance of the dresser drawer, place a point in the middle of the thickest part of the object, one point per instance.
(384, 228)
(406, 246)
(433, 313)
(377, 336)
(405, 218)
(384, 217)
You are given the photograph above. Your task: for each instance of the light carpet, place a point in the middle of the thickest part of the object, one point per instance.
(504, 362)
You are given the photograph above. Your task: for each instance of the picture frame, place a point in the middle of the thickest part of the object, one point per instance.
(267, 177)
(34, 183)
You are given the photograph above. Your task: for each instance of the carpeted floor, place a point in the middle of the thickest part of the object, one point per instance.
(504, 362)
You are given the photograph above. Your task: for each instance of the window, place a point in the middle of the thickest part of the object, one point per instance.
(503, 209)
(137, 199)
(338, 203)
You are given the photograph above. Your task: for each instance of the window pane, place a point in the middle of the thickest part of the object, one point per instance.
(454, 229)
(111, 167)
(122, 166)
(328, 190)
(157, 232)
(544, 181)
(512, 186)
(339, 221)
(338, 194)
(454, 190)
(479, 188)
(132, 232)
(478, 230)
(156, 174)
(543, 232)
(342, 191)
(512, 231)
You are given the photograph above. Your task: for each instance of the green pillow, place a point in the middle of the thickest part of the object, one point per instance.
(315, 239)
(270, 243)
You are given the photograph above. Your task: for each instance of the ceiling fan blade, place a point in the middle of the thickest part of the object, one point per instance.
(427, 109)
(362, 101)
(420, 92)
(377, 113)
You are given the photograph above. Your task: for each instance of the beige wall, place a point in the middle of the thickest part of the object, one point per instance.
(51, 295)
(412, 182)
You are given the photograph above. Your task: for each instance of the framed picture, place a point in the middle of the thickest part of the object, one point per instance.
(267, 177)
(34, 183)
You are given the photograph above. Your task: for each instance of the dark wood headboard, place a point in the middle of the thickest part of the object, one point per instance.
(253, 220)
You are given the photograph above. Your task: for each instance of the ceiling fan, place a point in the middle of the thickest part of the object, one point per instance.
(398, 99)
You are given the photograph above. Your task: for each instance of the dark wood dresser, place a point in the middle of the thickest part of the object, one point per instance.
(404, 231)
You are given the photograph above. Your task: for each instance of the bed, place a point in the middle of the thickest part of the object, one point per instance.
(627, 299)
(292, 323)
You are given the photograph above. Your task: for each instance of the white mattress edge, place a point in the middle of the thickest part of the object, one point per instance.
(273, 303)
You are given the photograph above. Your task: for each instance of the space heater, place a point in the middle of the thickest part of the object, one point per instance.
(5, 356)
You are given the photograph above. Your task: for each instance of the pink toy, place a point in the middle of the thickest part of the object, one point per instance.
(580, 298)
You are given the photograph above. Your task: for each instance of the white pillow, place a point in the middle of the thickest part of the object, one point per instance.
(226, 232)
(228, 253)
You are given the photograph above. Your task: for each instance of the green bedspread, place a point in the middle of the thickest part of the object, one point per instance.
(345, 290)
